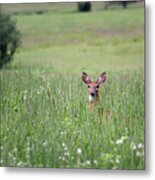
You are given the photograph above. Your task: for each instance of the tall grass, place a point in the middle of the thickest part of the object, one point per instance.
(46, 121)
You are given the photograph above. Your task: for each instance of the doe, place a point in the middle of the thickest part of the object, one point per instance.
(93, 88)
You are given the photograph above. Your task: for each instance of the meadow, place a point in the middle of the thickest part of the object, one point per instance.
(45, 117)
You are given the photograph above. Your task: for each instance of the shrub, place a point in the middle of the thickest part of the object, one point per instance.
(84, 6)
(9, 39)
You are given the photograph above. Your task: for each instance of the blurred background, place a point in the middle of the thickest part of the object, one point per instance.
(62, 34)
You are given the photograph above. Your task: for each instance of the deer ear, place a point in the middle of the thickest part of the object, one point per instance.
(102, 78)
(85, 78)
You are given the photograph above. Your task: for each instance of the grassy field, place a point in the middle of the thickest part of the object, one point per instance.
(45, 118)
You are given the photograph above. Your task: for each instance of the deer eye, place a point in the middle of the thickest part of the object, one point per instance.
(88, 86)
(97, 86)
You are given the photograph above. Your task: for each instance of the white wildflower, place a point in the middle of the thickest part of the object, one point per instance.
(95, 161)
(59, 157)
(133, 146)
(79, 151)
(44, 143)
(124, 138)
(140, 146)
(63, 158)
(1, 161)
(15, 150)
(38, 92)
(88, 162)
(119, 141)
(66, 153)
(63, 144)
(25, 97)
(117, 161)
(20, 164)
(61, 133)
(65, 148)
(138, 153)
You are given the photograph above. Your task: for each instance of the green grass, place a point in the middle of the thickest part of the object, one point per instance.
(45, 118)
(55, 29)
(41, 112)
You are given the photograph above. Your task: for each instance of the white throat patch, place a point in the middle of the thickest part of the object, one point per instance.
(91, 99)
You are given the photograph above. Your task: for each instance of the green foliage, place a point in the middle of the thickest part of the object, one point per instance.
(9, 39)
(84, 6)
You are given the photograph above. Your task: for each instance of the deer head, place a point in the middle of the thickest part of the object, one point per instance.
(93, 87)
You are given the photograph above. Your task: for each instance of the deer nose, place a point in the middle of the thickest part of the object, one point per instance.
(92, 94)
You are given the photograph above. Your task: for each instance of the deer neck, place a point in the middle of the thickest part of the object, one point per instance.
(93, 101)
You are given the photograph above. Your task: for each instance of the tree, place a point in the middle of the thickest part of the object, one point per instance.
(9, 39)
(110, 3)
(84, 6)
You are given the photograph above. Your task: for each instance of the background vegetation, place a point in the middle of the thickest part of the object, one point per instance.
(9, 39)
(45, 118)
